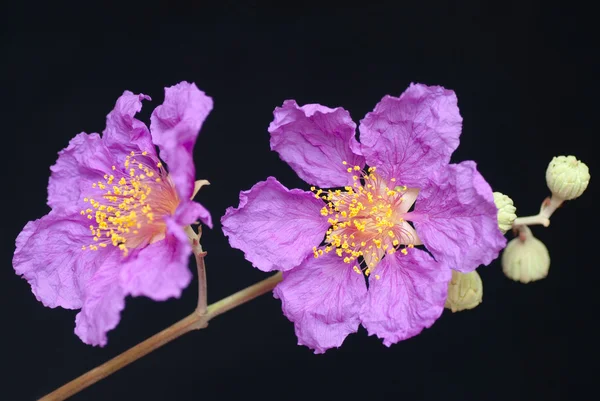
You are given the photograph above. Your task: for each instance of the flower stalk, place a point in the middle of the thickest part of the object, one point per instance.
(549, 206)
(197, 320)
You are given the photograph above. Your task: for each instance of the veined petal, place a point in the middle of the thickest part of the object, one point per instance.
(188, 212)
(103, 302)
(409, 137)
(175, 126)
(160, 270)
(275, 227)
(49, 256)
(323, 297)
(83, 162)
(456, 218)
(125, 133)
(314, 140)
(408, 297)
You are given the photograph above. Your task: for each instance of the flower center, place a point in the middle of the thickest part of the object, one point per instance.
(129, 204)
(366, 220)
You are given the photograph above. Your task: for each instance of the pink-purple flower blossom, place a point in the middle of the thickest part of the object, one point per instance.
(116, 225)
(327, 241)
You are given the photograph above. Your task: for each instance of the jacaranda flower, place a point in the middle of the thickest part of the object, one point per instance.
(326, 242)
(116, 227)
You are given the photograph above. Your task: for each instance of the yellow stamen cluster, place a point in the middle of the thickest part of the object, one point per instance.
(364, 218)
(128, 203)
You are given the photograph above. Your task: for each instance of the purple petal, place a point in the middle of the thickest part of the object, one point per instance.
(175, 125)
(456, 218)
(160, 270)
(49, 256)
(323, 297)
(314, 140)
(189, 212)
(409, 137)
(408, 297)
(275, 227)
(83, 162)
(123, 132)
(104, 300)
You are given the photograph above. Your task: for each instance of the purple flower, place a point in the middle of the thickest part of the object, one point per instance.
(326, 242)
(117, 218)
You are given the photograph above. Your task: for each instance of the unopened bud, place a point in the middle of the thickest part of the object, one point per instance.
(567, 177)
(526, 259)
(506, 211)
(465, 291)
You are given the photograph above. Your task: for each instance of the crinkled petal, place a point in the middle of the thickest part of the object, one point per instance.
(408, 297)
(80, 164)
(189, 212)
(410, 136)
(314, 140)
(124, 133)
(175, 126)
(456, 218)
(159, 270)
(103, 302)
(323, 297)
(49, 256)
(275, 227)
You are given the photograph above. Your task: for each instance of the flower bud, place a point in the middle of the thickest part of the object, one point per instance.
(526, 260)
(465, 291)
(506, 211)
(567, 177)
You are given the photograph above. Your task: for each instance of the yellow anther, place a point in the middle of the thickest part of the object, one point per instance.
(349, 169)
(144, 153)
(159, 165)
(356, 168)
(395, 242)
(377, 276)
(404, 251)
(344, 162)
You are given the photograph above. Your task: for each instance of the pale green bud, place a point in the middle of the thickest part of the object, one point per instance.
(567, 177)
(506, 211)
(465, 291)
(526, 260)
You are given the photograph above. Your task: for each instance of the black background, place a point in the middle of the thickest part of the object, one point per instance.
(526, 77)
